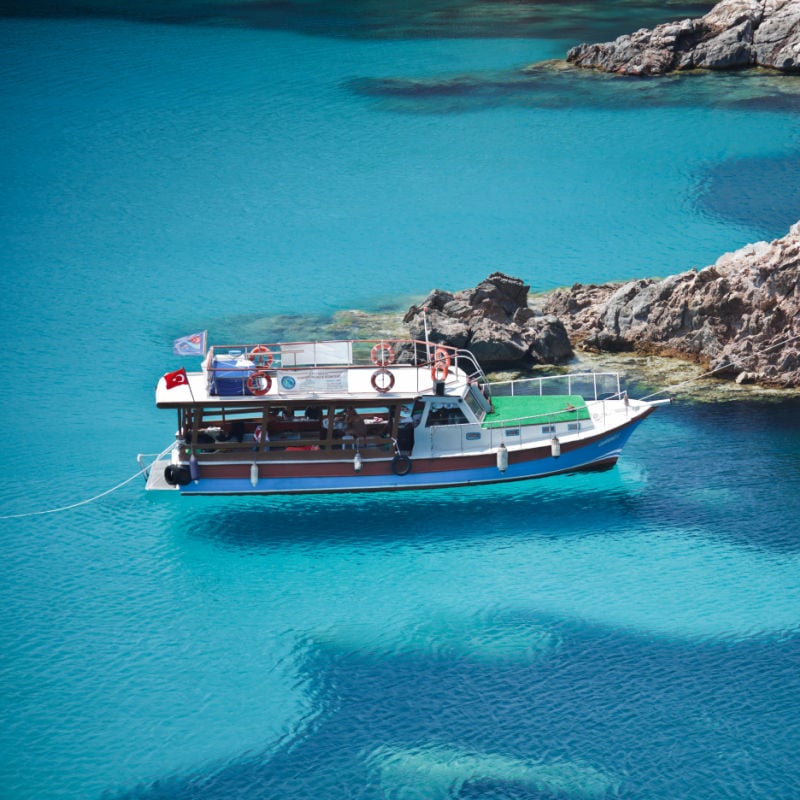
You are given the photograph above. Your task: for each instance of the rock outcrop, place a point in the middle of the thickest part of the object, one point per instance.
(734, 33)
(494, 321)
(740, 316)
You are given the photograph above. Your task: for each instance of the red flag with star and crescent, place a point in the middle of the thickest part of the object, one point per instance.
(177, 378)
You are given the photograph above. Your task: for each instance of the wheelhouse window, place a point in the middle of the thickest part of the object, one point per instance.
(446, 414)
(475, 404)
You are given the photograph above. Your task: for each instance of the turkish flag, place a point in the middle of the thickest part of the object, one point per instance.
(177, 378)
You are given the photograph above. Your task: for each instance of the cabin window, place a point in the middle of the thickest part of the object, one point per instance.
(474, 404)
(440, 414)
(548, 428)
(574, 426)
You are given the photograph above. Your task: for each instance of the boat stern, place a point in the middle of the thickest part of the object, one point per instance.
(154, 469)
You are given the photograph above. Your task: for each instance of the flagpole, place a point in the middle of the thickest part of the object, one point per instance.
(203, 348)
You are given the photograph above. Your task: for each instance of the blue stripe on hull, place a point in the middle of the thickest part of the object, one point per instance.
(603, 451)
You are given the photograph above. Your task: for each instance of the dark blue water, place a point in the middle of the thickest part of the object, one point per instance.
(628, 634)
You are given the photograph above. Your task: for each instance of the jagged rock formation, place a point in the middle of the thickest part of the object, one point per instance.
(735, 33)
(740, 315)
(494, 321)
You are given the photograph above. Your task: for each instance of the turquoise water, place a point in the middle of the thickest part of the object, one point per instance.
(629, 634)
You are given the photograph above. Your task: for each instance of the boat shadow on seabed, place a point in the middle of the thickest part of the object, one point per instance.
(443, 515)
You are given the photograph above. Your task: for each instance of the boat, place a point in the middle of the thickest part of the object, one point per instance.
(378, 415)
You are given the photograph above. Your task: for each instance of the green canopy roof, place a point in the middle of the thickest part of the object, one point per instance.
(536, 410)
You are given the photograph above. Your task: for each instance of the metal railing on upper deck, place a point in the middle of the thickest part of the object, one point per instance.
(240, 362)
(589, 385)
(346, 352)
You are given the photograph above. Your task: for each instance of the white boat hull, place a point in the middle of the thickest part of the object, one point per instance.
(597, 452)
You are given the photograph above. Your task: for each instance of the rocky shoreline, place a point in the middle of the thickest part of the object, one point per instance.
(739, 317)
(733, 34)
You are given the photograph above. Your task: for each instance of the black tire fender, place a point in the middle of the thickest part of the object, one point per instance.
(401, 464)
(177, 475)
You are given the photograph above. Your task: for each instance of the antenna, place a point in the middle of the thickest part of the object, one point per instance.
(427, 340)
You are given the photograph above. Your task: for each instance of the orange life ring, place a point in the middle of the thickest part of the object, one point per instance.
(380, 375)
(441, 364)
(261, 355)
(259, 382)
(382, 354)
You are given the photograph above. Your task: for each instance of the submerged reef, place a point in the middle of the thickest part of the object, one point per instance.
(733, 34)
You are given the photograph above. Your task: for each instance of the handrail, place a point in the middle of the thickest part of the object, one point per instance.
(239, 361)
(333, 353)
(514, 386)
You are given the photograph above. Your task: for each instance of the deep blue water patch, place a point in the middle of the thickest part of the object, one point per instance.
(168, 178)
(388, 20)
(656, 717)
(712, 479)
(761, 191)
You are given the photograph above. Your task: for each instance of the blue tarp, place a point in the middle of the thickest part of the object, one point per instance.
(229, 375)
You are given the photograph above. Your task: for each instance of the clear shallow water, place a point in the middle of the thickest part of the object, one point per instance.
(629, 634)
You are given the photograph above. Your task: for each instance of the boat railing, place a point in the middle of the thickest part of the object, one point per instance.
(239, 362)
(467, 362)
(147, 460)
(343, 352)
(589, 385)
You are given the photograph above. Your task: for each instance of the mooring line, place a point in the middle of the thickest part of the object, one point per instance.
(90, 499)
(718, 369)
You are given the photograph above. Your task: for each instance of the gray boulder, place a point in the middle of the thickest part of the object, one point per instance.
(740, 316)
(734, 33)
(494, 321)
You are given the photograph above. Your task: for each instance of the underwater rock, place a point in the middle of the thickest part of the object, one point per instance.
(504, 639)
(740, 316)
(436, 771)
(734, 33)
(494, 321)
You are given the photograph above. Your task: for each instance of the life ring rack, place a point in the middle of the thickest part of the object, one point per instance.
(259, 382)
(382, 354)
(262, 356)
(441, 364)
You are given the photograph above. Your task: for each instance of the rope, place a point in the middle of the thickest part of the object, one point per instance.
(717, 369)
(90, 499)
